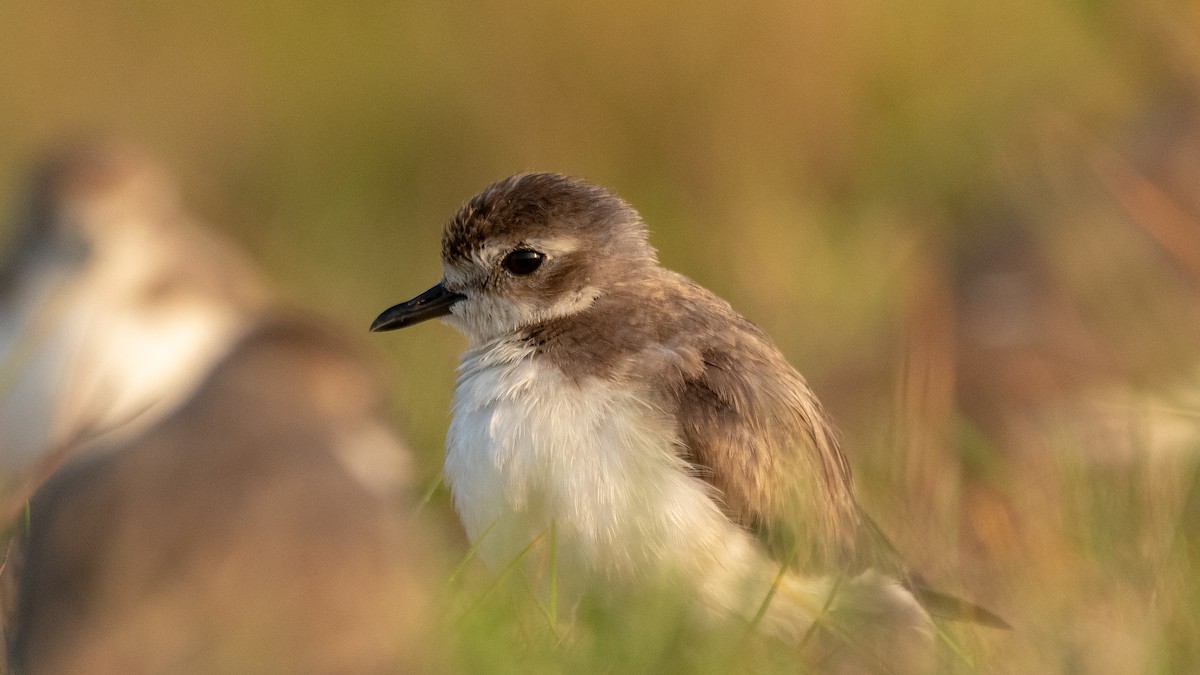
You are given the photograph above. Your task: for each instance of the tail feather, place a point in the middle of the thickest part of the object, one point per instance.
(938, 604)
(946, 606)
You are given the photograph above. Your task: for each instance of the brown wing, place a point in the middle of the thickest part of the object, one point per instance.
(756, 432)
(747, 421)
(766, 445)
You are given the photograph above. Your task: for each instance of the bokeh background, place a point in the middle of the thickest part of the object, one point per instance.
(975, 227)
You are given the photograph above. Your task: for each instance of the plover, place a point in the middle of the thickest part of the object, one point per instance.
(225, 493)
(656, 430)
(114, 303)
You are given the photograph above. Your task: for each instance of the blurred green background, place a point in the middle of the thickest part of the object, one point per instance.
(973, 226)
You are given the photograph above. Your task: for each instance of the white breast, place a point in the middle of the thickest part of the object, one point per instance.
(528, 447)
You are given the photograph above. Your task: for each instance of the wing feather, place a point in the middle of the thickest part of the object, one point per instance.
(754, 430)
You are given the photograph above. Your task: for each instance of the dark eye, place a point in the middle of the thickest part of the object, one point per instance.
(523, 261)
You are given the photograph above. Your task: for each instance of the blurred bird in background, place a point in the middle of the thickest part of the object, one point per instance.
(116, 303)
(207, 482)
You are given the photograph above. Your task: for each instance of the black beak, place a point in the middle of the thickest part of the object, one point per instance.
(431, 304)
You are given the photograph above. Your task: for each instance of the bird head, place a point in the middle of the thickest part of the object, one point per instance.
(529, 248)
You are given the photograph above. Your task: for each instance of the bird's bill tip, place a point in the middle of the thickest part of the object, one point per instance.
(431, 304)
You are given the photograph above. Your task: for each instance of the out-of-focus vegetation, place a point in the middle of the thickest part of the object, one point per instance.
(975, 227)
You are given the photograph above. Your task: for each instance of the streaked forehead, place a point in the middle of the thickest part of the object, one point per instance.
(525, 208)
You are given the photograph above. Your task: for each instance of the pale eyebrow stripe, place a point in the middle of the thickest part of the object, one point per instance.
(551, 246)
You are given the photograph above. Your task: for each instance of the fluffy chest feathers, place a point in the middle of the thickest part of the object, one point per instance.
(529, 447)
